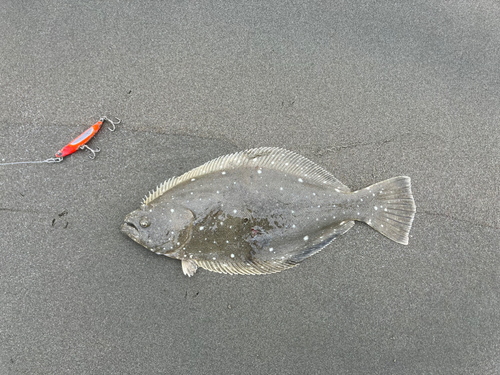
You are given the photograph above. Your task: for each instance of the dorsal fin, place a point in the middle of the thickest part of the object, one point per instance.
(265, 157)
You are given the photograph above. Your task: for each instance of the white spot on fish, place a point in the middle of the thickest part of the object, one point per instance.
(385, 209)
(223, 172)
(232, 255)
(375, 208)
(281, 188)
(235, 211)
(201, 228)
(270, 249)
(306, 238)
(259, 171)
(217, 191)
(293, 226)
(171, 210)
(301, 180)
(193, 179)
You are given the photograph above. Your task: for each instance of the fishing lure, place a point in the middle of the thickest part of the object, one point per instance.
(79, 143)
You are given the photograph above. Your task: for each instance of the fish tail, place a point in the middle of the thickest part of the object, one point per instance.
(392, 208)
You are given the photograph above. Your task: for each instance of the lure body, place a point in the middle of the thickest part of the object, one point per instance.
(79, 141)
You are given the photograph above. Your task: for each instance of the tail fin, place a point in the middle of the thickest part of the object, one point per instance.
(394, 208)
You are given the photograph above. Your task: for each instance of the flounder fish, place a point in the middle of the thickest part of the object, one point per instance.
(262, 211)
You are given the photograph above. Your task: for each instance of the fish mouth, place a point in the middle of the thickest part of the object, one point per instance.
(130, 230)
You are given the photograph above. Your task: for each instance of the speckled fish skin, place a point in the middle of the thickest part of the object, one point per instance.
(261, 211)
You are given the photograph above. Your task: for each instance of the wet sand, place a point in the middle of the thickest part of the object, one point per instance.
(367, 91)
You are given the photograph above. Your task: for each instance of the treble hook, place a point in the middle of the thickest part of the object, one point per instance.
(91, 150)
(112, 123)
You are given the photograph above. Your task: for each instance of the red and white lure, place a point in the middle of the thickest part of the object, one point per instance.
(79, 143)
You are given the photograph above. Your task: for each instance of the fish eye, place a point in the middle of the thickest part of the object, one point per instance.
(144, 222)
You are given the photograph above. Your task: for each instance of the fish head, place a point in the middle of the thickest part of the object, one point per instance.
(160, 228)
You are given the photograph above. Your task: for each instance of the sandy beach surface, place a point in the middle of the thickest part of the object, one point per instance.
(368, 90)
